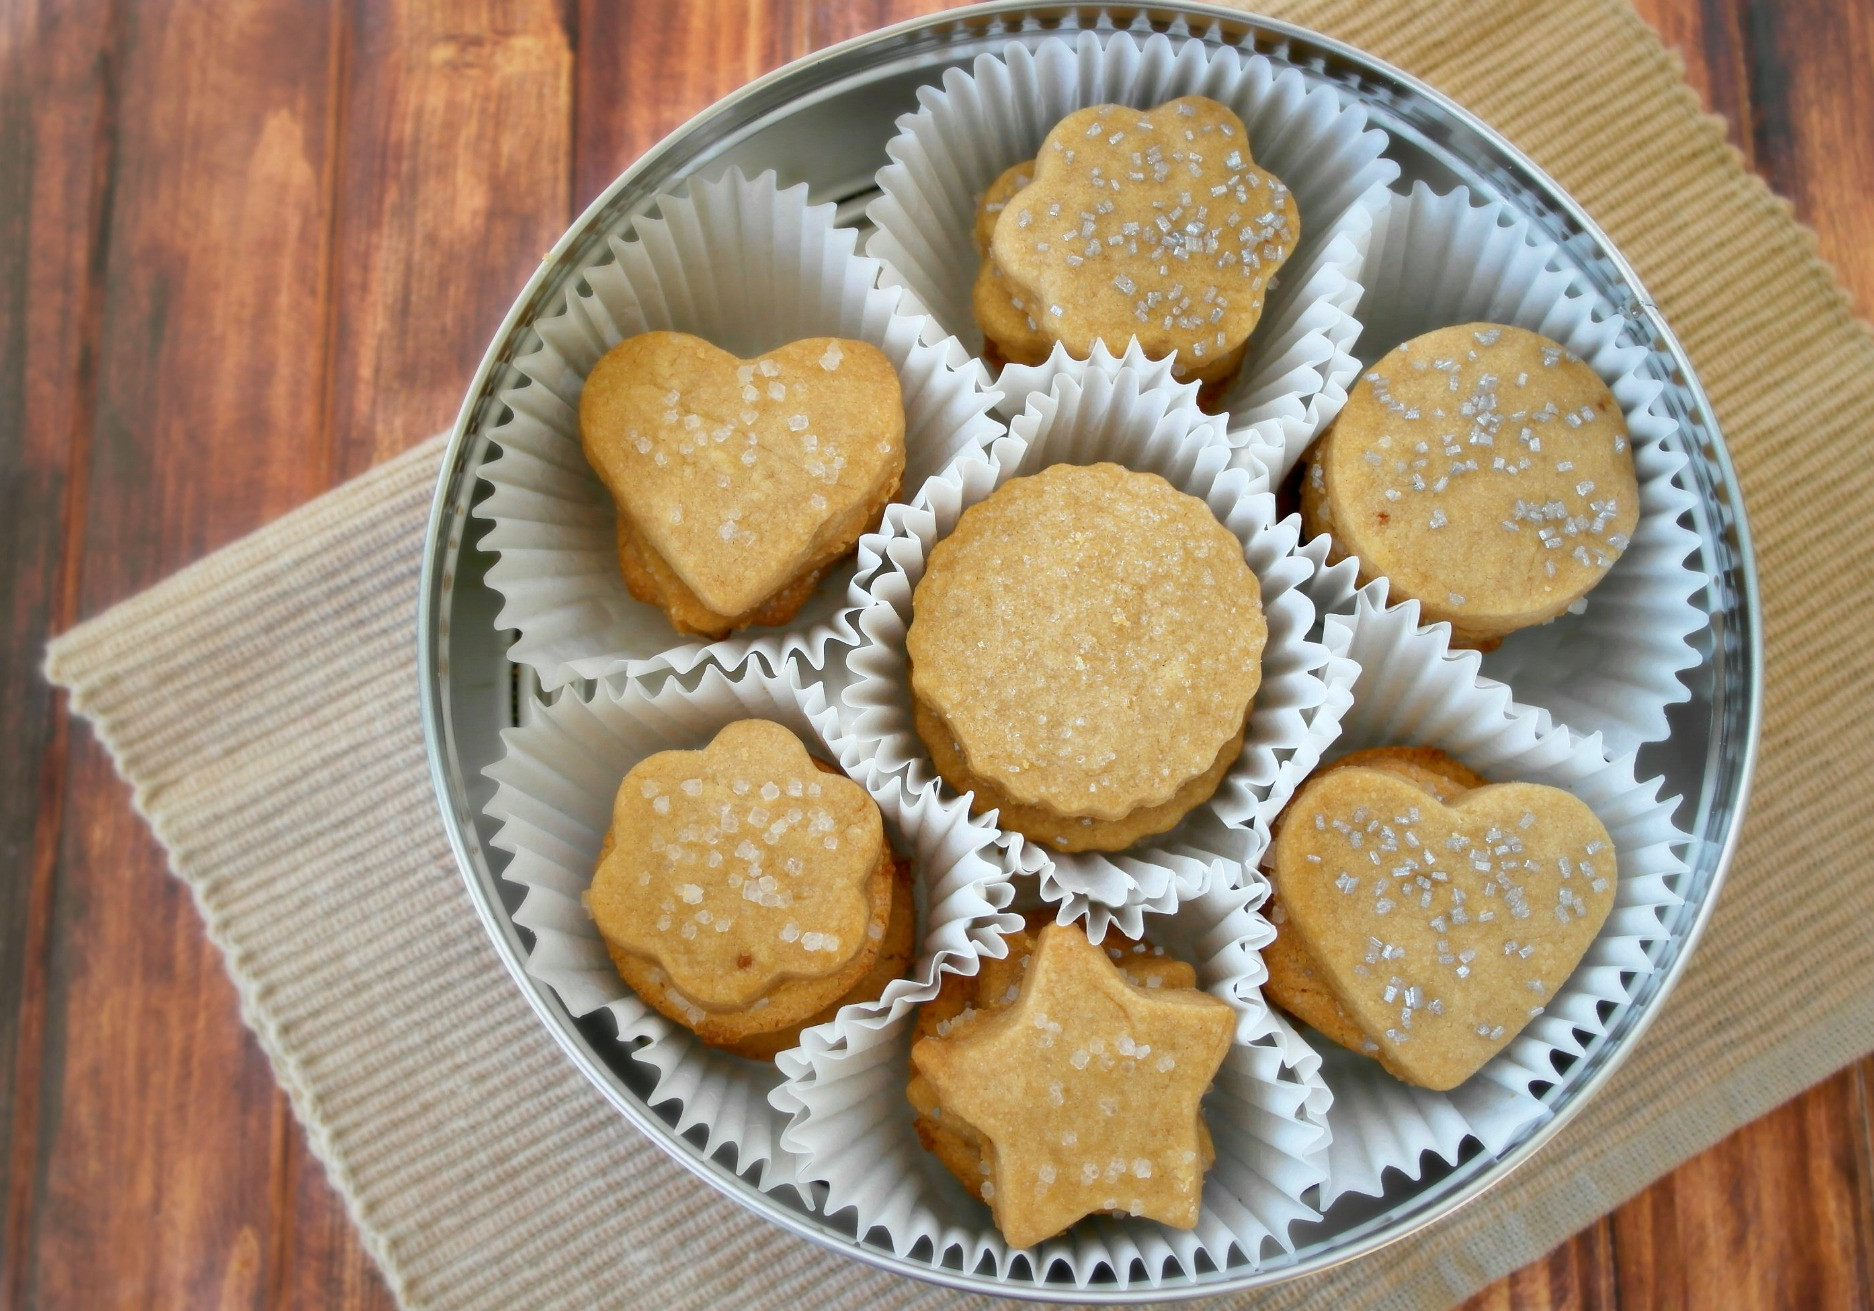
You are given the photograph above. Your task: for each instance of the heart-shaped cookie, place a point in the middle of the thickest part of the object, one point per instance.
(1148, 223)
(736, 479)
(1441, 929)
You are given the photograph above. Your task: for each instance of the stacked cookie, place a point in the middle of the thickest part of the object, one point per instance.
(747, 891)
(1084, 651)
(1424, 915)
(738, 483)
(1154, 224)
(1484, 471)
(1065, 1079)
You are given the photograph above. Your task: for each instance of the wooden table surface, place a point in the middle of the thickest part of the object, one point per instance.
(248, 249)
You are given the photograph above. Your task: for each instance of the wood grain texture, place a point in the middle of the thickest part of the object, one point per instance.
(51, 198)
(1812, 99)
(152, 1179)
(1709, 39)
(1580, 1274)
(456, 125)
(1777, 1215)
(251, 250)
(645, 67)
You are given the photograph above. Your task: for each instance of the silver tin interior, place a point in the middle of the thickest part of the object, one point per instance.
(825, 120)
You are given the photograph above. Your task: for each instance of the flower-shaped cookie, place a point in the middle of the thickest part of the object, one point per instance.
(742, 888)
(1148, 223)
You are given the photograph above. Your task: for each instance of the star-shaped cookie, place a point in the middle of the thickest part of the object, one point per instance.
(1084, 1092)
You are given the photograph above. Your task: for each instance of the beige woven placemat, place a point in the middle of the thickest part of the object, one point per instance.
(263, 704)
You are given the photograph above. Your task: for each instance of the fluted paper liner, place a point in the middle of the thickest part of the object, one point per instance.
(1106, 409)
(853, 1129)
(997, 113)
(556, 782)
(749, 266)
(1614, 667)
(1414, 690)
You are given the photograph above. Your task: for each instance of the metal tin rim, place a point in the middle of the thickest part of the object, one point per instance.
(441, 547)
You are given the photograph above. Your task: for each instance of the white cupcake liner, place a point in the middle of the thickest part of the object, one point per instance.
(1616, 665)
(1299, 366)
(854, 1130)
(1105, 409)
(749, 266)
(1414, 690)
(556, 782)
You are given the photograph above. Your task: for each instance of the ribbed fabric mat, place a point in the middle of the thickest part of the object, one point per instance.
(285, 774)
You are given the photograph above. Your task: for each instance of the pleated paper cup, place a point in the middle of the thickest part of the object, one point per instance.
(749, 266)
(1100, 410)
(1615, 666)
(555, 785)
(997, 113)
(1414, 690)
(853, 1130)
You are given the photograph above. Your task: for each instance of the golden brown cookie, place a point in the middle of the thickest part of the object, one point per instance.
(1297, 988)
(1437, 928)
(1042, 824)
(1484, 471)
(739, 482)
(1084, 650)
(996, 984)
(742, 889)
(1082, 1094)
(1293, 983)
(897, 950)
(1010, 336)
(1148, 223)
(995, 199)
(1009, 331)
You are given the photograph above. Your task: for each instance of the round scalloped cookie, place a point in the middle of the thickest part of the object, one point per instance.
(1087, 642)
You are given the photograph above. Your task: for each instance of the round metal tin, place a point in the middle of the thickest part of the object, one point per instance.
(825, 120)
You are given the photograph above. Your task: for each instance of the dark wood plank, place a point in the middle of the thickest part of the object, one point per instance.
(1709, 38)
(1777, 1215)
(161, 1127)
(454, 128)
(57, 123)
(321, 1265)
(1812, 93)
(454, 182)
(646, 66)
(1576, 1276)
(830, 24)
